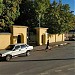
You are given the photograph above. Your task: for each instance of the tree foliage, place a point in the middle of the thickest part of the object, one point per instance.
(27, 14)
(55, 16)
(8, 13)
(40, 9)
(58, 18)
(31, 11)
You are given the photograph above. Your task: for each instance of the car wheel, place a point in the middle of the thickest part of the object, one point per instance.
(8, 57)
(28, 53)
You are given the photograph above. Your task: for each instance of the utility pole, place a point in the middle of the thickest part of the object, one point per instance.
(39, 20)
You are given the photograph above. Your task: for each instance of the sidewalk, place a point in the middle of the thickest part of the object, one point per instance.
(52, 45)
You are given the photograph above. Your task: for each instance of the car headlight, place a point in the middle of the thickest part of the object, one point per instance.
(0, 55)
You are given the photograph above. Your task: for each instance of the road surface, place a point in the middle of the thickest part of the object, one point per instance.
(58, 61)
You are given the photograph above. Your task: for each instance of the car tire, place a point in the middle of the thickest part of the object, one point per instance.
(8, 57)
(28, 53)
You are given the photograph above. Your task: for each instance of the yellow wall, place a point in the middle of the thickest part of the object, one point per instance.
(56, 37)
(19, 30)
(4, 40)
(51, 38)
(7, 38)
(41, 36)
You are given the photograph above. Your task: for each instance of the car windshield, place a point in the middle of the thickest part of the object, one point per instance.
(10, 47)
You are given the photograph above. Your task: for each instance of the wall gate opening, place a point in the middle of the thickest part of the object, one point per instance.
(19, 39)
(31, 40)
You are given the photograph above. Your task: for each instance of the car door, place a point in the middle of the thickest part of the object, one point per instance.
(23, 49)
(16, 50)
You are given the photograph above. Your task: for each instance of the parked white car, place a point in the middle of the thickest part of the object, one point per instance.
(14, 50)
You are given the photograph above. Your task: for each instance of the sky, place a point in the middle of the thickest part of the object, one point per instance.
(70, 2)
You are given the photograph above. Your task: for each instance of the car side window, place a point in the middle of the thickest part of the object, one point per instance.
(17, 47)
(26, 45)
(22, 46)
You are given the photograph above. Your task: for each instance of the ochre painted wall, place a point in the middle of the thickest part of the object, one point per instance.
(11, 38)
(19, 30)
(41, 36)
(4, 40)
(51, 38)
(56, 37)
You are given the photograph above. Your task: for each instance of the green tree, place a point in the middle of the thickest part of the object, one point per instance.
(27, 14)
(68, 18)
(40, 9)
(1, 11)
(58, 18)
(10, 11)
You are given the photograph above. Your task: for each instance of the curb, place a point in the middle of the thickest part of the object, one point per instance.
(62, 44)
(43, 47)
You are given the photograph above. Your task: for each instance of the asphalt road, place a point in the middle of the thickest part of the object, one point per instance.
(58, 61)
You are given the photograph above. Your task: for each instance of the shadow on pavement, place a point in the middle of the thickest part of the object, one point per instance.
(43, 60)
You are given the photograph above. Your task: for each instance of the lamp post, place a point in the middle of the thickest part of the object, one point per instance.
(39, 20)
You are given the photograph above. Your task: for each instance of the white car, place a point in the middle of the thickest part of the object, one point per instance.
(14, 50)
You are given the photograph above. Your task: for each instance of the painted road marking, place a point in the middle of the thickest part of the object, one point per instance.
(58, 70)
(71, 68)
(46, 73)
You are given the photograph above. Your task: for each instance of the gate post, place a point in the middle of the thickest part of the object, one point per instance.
(40, 32)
